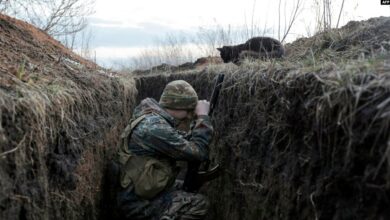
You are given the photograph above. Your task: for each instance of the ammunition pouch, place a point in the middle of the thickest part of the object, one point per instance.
(149, 175)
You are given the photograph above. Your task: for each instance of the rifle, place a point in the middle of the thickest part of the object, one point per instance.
(194, 178)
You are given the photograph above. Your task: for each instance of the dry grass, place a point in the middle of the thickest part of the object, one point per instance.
(356, 40)
(289, 136)
(47, 132)
(59, 123)
(300, 138)
(305, 137)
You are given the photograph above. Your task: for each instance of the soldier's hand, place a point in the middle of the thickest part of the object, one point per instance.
(202, 108)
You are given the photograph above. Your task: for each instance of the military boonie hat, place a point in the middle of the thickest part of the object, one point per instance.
(180, 95)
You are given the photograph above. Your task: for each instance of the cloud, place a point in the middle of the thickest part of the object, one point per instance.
(99, 22)
(117, 34)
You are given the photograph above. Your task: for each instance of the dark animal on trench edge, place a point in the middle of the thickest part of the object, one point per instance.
(257, 47)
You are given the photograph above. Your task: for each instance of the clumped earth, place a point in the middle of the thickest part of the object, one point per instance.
(200, 63)
(306, 137)
(59, 116)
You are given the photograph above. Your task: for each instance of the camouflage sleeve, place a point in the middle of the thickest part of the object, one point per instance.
(166, 140)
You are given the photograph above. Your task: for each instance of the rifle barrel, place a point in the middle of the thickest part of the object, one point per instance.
(193, 181)
(215, 94)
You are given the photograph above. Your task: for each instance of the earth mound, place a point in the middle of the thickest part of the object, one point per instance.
(59, 116)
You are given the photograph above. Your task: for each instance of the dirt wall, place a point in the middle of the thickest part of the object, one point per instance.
(55, 142)
(60, 118)
(306, 137)
(297, 143)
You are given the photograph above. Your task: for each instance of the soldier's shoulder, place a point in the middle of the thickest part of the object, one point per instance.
(153, 119)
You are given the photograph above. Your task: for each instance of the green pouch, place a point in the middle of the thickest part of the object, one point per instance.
(123, 153)
(150, 176)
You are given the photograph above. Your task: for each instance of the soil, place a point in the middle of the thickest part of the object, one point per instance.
(59, 118)
(305, 137)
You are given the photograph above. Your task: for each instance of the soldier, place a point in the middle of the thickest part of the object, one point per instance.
(150, 147)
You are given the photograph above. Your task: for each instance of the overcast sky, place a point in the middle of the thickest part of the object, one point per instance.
(121, 28)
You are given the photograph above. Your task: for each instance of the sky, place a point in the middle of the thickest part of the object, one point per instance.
(122, 29)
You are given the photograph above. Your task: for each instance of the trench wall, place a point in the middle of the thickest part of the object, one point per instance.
(296, 143)
(302, 138)
(55, 140)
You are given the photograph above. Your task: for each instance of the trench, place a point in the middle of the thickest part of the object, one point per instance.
(306, 137)
(293, 146)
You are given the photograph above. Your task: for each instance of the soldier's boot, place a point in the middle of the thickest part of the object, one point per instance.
(186, 206)
(192, 218)
(167, 218)
(182, 218)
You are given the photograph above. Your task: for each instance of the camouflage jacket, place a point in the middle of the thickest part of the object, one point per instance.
(156, 135)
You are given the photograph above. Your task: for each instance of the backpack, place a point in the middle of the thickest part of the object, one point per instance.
(149, 175)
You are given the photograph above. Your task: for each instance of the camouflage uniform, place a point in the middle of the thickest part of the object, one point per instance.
(156, 136)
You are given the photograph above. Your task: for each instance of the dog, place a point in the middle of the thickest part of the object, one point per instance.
(257, 47)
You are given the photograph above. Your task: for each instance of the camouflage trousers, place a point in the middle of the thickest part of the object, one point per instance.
(174, 204)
